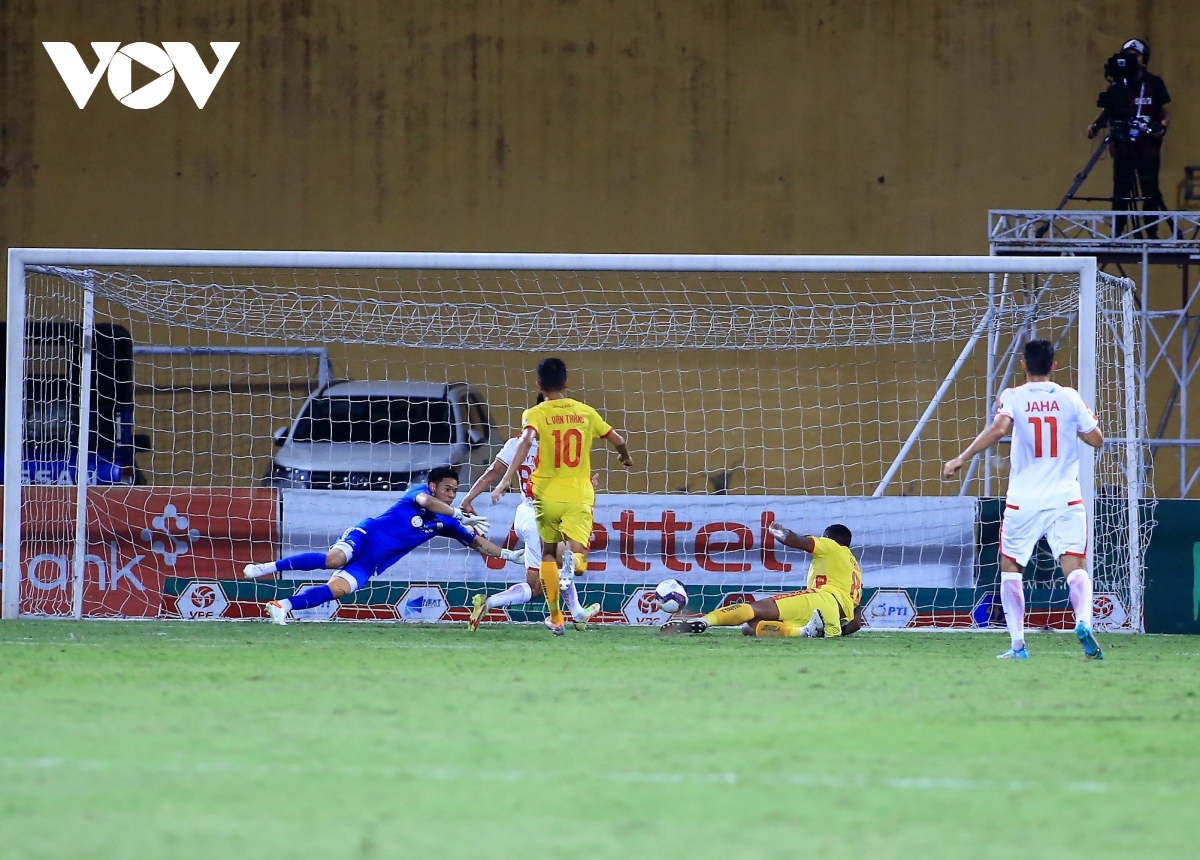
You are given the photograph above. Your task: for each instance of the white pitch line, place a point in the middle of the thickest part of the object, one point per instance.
(509, 776)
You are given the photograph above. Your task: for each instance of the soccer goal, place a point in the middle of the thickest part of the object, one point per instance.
(174, 415)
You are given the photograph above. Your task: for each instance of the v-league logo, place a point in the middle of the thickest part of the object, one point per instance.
(172, 57)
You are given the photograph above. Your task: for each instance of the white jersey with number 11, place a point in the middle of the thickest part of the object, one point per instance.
(1047, 420)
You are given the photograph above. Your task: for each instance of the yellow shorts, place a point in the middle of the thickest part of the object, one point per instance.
(796, 607)
(559, 520)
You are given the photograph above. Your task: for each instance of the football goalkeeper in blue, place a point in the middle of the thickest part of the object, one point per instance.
(424, 512)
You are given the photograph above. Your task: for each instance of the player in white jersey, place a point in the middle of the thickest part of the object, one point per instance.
(1044, 499)
(525, 525)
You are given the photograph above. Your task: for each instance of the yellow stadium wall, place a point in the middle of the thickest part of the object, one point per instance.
(872, 126)
(817, 127)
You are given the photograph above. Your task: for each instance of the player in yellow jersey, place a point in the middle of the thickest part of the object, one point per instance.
(819, 611)
(563, 495)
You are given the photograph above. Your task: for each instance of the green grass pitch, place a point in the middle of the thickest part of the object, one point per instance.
(177, 740)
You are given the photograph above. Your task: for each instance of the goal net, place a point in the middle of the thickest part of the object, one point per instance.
(173, 416)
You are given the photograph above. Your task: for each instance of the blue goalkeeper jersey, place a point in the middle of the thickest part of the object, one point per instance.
(377, 543)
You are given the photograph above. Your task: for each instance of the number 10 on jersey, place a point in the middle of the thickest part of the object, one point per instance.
(568, 448)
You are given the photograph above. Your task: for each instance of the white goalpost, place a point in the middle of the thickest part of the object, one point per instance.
(173, 415)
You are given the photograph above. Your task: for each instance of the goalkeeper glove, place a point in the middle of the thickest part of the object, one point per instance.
(474, 522)
(513, 556)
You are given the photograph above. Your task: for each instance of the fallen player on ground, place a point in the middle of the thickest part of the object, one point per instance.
(826, 609)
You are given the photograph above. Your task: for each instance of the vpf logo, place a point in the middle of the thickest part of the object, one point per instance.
(118, 61)
(203, 596)
(647, 602)
(1103, 607)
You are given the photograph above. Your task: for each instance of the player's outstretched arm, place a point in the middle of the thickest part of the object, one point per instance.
(467, 518)
(528, 436)
(484, 484)
(617, 441)
(483, 546)
(787, 537)
(998, 429)
(436, 506)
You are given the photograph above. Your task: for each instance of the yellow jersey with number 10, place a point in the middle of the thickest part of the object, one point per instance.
(566, 430)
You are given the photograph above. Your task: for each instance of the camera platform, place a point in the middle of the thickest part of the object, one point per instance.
(1111, 236)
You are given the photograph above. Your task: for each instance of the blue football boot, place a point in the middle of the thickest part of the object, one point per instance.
(1091, 648)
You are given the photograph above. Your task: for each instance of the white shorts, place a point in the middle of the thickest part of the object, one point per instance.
(1064, 527)
(525, 525)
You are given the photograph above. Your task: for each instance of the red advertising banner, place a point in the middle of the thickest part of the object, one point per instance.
(136, 536)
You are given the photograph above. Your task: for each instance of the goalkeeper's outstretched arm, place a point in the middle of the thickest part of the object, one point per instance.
(437, 506)
(483, 546)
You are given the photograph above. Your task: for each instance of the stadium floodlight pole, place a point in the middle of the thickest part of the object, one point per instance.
(935, 402)
(83, 443)
(13, 435)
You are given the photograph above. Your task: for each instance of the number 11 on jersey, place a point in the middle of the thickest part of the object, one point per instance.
(1051, 425)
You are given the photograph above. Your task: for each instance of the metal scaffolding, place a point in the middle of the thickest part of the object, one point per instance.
(1170, 357)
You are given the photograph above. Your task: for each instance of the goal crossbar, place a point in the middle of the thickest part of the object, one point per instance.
(978, 264)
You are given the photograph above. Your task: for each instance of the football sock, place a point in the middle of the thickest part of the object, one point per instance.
(314, 596)
(1012, 598)
(572, 600)
(777, 628)
(300, 561)
(511, 596)
(1080, 584)
(549, 576)
(730, 616)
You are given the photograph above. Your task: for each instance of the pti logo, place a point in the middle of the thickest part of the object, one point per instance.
(118, 61)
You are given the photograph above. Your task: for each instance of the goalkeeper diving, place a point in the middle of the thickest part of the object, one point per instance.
(375, 544)
(827, 608)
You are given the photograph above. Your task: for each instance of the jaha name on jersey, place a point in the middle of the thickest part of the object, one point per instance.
(1043, 406)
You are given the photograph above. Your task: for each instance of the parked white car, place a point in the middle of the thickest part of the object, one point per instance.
(383, 436)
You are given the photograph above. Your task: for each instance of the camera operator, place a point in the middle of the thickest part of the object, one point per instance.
(1136, 108)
